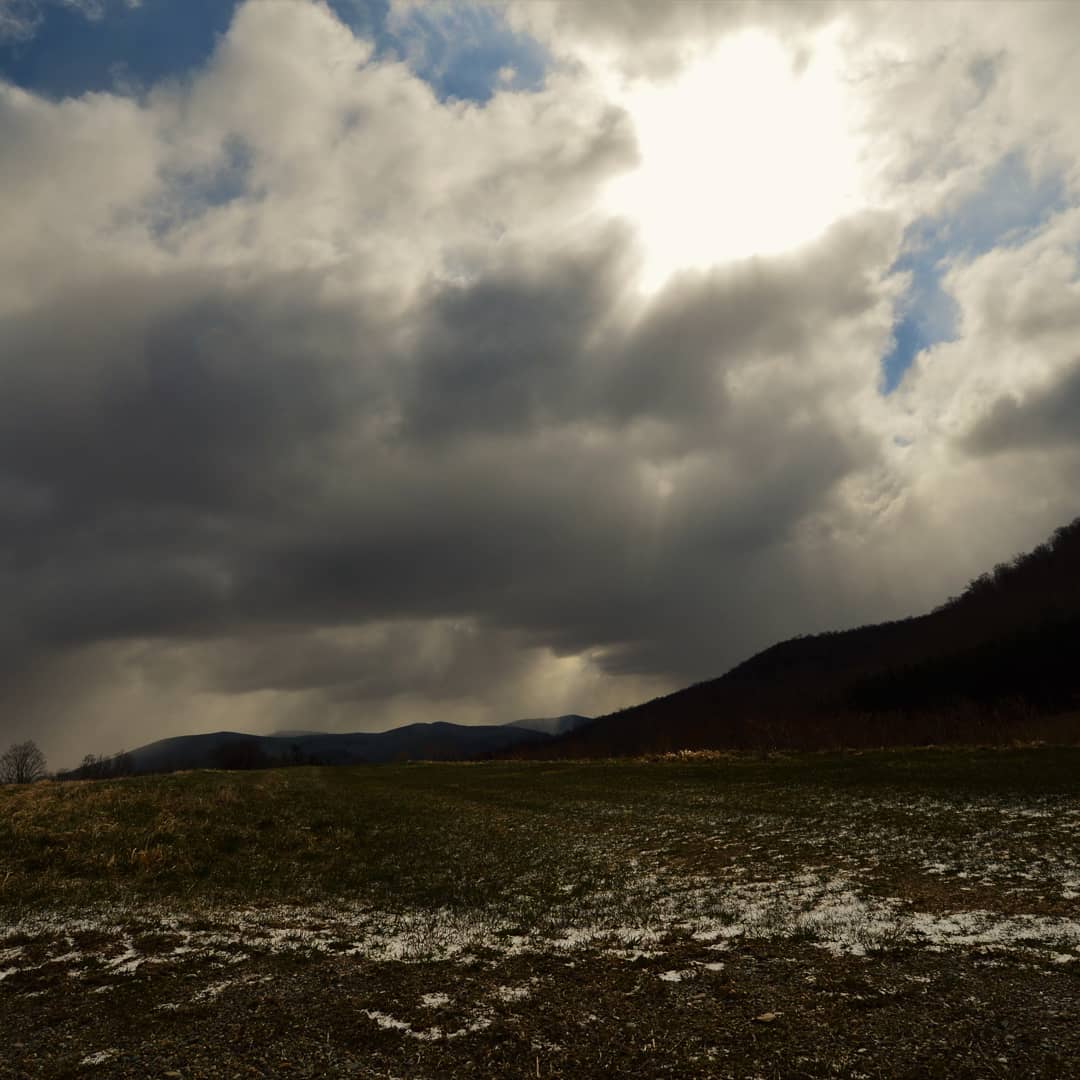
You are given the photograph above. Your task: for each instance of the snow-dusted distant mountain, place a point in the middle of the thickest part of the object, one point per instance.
(552, 725)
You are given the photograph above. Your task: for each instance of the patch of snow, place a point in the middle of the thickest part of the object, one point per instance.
(386, 1021)
(99, 1057)
(213, 991)
(479, 1024)
(432, 1034)
(676, 976)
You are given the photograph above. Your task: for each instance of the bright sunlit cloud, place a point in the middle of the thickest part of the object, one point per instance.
(743, 154)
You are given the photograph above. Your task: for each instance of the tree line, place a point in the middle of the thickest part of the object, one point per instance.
(24, 763)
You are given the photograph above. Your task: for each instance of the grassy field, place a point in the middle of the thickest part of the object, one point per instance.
(900, 914)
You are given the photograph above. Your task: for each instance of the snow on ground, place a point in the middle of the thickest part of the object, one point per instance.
(830, 911)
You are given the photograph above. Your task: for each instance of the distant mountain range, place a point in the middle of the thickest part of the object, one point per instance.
(1000, 662)
(236, 750)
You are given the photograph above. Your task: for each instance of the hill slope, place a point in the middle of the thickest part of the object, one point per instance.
(998, 662)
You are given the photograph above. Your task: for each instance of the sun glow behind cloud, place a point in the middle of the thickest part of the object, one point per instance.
(745, 153)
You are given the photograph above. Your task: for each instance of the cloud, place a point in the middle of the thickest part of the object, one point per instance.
(1048, 418)
(326, 401)
(1010, 206)
(464, 50)
(644, 38)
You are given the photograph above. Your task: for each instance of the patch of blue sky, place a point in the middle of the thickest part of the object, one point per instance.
(1012, 205)
(927, 315)
(188, 195)
(464, 51)
(112, 45)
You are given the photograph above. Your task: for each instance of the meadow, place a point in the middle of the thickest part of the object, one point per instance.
(910, 913)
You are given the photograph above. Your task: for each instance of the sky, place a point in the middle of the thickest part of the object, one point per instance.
(369, 363)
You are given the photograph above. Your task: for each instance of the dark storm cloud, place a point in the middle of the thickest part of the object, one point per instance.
(518, 489)
(441, 661)
(506, 354)
(144, 435)
(189, 458)
(175, 393)
(1041, 421)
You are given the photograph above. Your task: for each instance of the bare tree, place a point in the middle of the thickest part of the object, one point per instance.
(22, 763)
